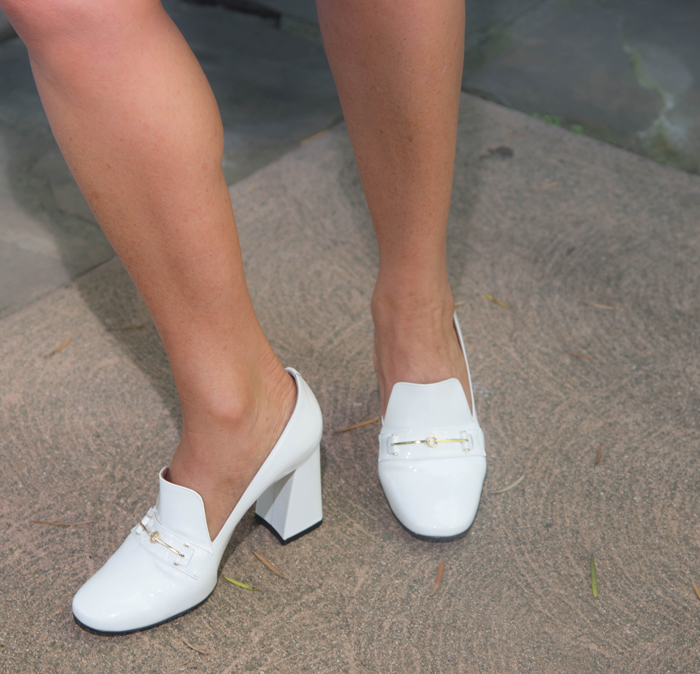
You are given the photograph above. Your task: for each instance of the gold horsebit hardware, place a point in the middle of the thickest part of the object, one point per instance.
(154, 537)
(431, 441)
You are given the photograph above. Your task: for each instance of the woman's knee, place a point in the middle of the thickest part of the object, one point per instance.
(41, 22)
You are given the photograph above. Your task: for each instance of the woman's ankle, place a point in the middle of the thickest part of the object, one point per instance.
(411, 299)
(415, 340)
(221, 390)
(222, 448)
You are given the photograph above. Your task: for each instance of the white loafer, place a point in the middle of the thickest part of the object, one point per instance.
(432, 461)
(168, 564)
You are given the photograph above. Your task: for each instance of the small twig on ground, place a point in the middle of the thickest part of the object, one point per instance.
(594, 577)
(491, 298)
(243, 585)
(58, 348)
(362, 423)
(510, 486)
(546, 186)
(460, 303)
(438, 577)
(314, 137)
(696, 588)
(607, 307)
(598, 456)
(194, 648)
(268, 564)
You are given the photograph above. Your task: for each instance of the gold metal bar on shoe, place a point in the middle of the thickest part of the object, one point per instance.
(154, 537)
(431, 441)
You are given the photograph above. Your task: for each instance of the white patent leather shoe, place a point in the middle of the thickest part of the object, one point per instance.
(168, 564)
(432, 461)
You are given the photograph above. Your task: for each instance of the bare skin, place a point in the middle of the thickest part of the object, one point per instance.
(398, 70)
(138, 124)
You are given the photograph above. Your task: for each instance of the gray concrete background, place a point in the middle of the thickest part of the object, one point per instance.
(622, 71)
(563, 222)
(6, 30)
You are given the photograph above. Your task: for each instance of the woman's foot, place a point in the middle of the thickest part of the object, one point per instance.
(168, 563)
(432, 460)
(220, 453)
(416, 342)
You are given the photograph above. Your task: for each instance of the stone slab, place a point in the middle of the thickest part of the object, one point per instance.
(6, 30)
(273, 89)
(557, 226)
(300, 9)
(625, 72)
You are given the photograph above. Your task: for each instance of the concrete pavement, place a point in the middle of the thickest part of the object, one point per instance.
(594, 250)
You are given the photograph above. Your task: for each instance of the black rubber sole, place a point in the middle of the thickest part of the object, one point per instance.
(434, 539)
(101, 633)
(267, 525)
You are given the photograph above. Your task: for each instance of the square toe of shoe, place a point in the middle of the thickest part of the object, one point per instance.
(135, 590)
(434, 497)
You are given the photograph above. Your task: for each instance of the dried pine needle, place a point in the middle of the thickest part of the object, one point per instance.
(314, 137)
(598, 456)
(362, 423)
(696, 588)
(268, 564)
(491, 298)
(438, 577)
(243, 585)
(194, 648)
(62, 524)
(510, 486)
(581, 355)
(58, 348)
(594, 577)
(607, 307)
(546, 186)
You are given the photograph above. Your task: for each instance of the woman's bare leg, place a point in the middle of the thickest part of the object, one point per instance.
(138, 124)
(398, 69)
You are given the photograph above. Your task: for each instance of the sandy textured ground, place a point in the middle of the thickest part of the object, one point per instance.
(562, 225)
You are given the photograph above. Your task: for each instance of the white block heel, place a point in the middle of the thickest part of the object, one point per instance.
(292, 506)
